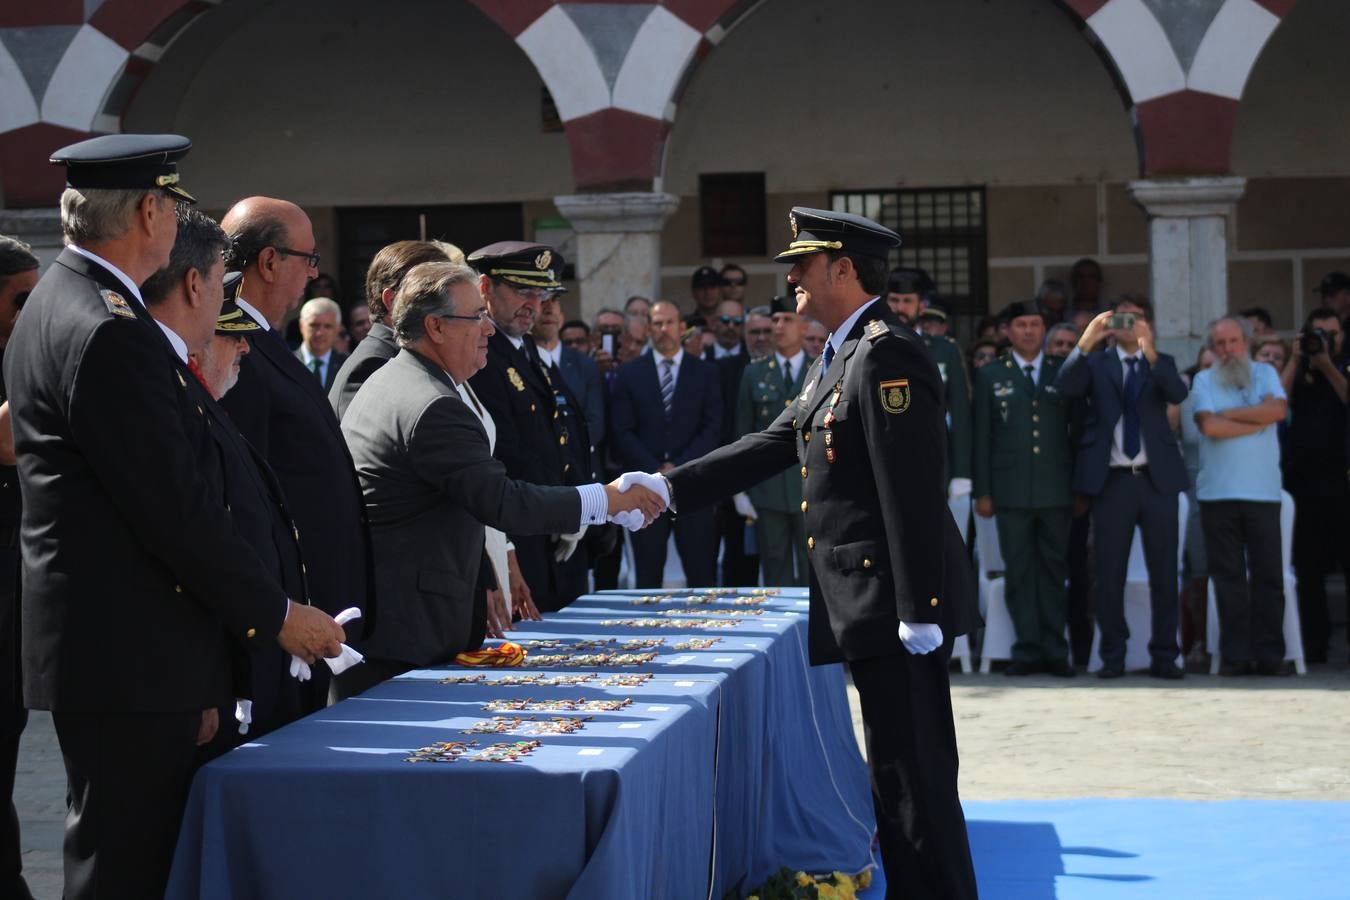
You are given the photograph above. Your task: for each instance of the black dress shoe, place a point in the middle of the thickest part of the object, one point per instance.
(1016, 669)
(1279, 669)
(1061, 669)
(1110, 671)
(1231, 669)
(1169, 670)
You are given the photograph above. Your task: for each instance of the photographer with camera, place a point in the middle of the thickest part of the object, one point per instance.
(1314, 465)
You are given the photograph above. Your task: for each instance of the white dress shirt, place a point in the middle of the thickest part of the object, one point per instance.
(661, 365)
(179, 345)
(551, 357)
(1034, 363)
(308, 359)
(840, 334)
(720, 352)
(797, 360)
(1118, 457)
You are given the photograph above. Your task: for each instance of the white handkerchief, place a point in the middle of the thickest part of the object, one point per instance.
(340, 663)
(344, 660)
(243, 714)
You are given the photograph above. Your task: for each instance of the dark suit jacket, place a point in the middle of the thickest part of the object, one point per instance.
(641, 435)
(730, 369)
(133, 571)
(280, 407)
(583, 379)
(375, 350)
(883, 545)
(11, 508)
(430, 484)
(1099, 377)
(335, 361)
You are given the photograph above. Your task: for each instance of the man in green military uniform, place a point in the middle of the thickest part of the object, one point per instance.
(768, 386)
(1022, 466)
(906, 291)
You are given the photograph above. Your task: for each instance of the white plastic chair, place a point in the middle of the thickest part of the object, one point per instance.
(1293, 626)
(1139, 601)
(960, 508)
(998, 626)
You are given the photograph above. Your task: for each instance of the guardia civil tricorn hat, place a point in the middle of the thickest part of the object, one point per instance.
(126, 162)
(818, 230)
(520, 263)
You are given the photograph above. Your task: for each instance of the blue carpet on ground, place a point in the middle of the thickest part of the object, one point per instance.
(1128, 849)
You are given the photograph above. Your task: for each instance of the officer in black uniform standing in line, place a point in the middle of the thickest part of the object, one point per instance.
(18, 277)
(891, 585)
(536, 440)
(133, 573)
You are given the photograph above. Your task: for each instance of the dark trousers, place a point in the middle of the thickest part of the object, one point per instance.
(128, 776)
(695, 540)
(13, 718)
(1242, 540)
(604, 544)
(1035, 545)
(739, 569)
(1080, 589)
(1126, 501)
(1321, 543)
(912, 758)
(364, 676)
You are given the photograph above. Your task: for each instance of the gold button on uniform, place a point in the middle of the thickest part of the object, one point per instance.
(1035, 449)
(933, 602)
(531, 407)
(1035, 434)
(178, 589)
(803, 471)
(867, 564)
(1035, 404)
(1035, 418)
(251, 632)
(806, 438)
(810, 543)
(563, 439)
(803, 506)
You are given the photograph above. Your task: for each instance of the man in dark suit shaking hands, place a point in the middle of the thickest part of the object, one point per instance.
(667, 411)
(1131, 467)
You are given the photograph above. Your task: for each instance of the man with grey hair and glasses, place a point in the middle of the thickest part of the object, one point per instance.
(417, 434)
(1238, 405)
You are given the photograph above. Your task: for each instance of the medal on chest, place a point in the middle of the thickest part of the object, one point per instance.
(831, 454)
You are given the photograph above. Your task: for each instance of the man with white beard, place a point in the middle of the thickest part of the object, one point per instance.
(1238, 404)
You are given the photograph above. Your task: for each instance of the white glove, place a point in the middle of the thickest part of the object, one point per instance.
(959, 487)
(921, 637)
(243, 714)
(655, 483)
(567, 545)
(744, 508)
(345, 659)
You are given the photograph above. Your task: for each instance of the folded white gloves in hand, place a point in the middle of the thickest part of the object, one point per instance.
(921, 637)
(243, 714)
(744, 508)
(959, 487)
(633, 519)
(567, 545)
(339, 664)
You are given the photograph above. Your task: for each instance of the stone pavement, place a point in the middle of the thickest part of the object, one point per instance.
(1199, 739)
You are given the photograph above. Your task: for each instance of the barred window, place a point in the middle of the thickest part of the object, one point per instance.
(942, 231)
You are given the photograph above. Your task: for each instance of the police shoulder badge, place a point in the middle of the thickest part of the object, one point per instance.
(117, 304)
(876, 330)
(514, 377)
(895, 395)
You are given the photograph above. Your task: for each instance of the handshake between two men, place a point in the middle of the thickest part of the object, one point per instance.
(636, 499)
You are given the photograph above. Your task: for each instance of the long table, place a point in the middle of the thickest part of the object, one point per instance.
(730, 760)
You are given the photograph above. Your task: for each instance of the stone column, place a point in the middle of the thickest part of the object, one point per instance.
(618, 245)
(39, 228)
(1188, 256)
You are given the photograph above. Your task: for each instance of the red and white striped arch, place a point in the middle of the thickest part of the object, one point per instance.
(617, 102)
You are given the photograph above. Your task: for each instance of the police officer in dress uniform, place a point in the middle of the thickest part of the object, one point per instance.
(890, 581)
(133, 573)
(1022, 470)
(539, 438)
(767, 386)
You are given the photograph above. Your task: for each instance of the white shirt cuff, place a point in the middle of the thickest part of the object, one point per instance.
(594, 504)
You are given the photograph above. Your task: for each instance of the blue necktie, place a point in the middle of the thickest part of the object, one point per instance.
(1133, 379)
(829, 356)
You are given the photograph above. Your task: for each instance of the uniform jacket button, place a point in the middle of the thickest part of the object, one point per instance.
(178, 589)
(810, 543)
(251, 632)
(803, 506)
(867, 564)
(933, 602)
(806, 438)
(803, 471)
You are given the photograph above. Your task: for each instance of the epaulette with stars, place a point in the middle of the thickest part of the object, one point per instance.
(876, 330)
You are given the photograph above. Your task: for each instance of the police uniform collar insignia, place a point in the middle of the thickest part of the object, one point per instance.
(117, 304)
(876, 330)
(514, 377)
(895, 395)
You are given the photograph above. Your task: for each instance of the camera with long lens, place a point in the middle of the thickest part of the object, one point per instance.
(1314, 341)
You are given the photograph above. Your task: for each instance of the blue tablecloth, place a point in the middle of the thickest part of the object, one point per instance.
(730, 762)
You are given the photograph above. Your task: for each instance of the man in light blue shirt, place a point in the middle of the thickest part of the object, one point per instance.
(1238, 404)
